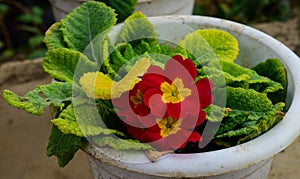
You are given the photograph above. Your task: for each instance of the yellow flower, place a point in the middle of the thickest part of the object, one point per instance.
(100, 86)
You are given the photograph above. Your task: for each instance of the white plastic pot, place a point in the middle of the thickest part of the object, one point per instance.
(249, 160)
(61, 8)
(165, 7)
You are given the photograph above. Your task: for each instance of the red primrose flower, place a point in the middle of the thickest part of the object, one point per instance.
(165, 107)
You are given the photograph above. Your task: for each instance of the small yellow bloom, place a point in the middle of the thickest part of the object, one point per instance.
(175, 92)
(168, 125)
(100, 86)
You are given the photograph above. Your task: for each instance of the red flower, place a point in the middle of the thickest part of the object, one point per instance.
(166, 105)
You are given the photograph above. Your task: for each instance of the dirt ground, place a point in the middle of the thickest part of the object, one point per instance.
(23, 137)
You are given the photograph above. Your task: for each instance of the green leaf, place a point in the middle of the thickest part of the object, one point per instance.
(247, 100)
(37, 100)
(242, 126)
(239, 132)
(137, 28)
(65, 65)
(54, 37)
(274, 69)
(195, 45)
(123, 8)
(160, 54)
(143, 47)
(114, 62)
(216, 113)
(232, 120)
(63, 146)
(236, 75)
(218, 75)
(85, 22)
(270, 118)
(211, 44)
(68, 124)
(120, 144)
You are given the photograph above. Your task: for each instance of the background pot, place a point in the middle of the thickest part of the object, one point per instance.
(149, 7)
(249, 160)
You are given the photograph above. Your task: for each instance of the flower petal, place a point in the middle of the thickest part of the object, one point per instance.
(154, 69)
(151, 80)
(174, 110)
(180, 139)
(182, 68)
(149, 136)
(153, 99)
(204, 88)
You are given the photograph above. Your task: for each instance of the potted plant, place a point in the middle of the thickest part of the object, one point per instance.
(124, 8)
(201, 100)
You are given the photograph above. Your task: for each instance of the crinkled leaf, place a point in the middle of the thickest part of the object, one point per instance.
(54, 37)
(63, 146)
(61, 64)
(143, 47)
(236, 75)
(98, 113)
(218, 75)
(271, 118)
(160, 54)
(250, 127)
(107, 66)
(67, 124)
(137, 28)
(120, 144)
(128, 52)
(196, 46)
(274, 69)
(211, 44)
(233, 119)
(216, 113)
(239, 118)
(85, 22)
(115, 61)
(239, 132)
(247, 99)
(123, 8)
(224, 45)
(37, 100)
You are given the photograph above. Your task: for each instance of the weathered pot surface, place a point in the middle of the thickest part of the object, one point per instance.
(251, 159)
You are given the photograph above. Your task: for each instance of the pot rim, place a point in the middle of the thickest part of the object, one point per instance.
(239, 156)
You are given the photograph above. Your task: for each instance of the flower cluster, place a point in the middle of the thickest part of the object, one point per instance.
(165, 106)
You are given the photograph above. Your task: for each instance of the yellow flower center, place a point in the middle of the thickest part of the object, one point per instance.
(168, 125)
(175, 92)
(138, 99)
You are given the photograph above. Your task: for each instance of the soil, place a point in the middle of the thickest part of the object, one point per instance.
(23, 137)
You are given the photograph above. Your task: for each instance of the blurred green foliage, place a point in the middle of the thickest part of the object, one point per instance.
(22, 25)
(247, 11)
